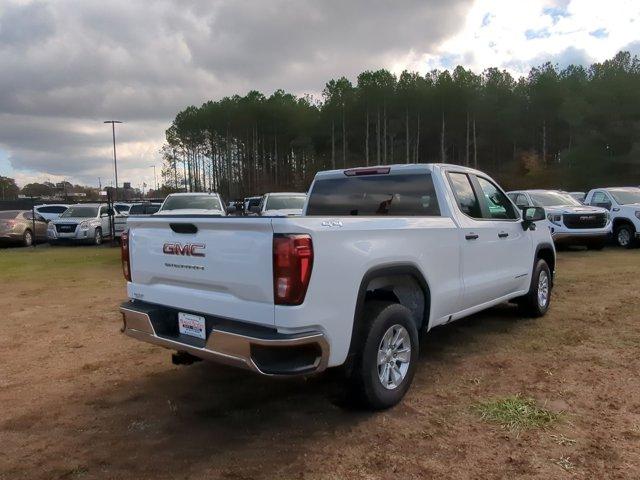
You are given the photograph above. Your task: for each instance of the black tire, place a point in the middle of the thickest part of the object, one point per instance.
(363, 375)
(596, 244)
(531, 305)
(97, 237)
(27, 238)
(624, 235)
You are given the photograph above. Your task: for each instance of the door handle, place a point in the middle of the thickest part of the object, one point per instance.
(471, 236)
(503, 235)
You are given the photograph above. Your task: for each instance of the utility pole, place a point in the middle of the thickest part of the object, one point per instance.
(115, 161)
(155, 179)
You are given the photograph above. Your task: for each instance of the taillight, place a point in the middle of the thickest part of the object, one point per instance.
(125, 256)
(292, 264)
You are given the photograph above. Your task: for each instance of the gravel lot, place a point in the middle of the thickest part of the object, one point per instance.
(80, 400)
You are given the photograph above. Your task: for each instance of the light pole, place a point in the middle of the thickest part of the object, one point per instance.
(155, 179)
(115, 161)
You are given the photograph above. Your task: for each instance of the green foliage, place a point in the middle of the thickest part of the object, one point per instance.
(8, 188)
(516, 413)
(559, 120)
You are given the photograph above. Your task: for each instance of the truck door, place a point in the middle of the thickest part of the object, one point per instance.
(513, 242)
(490, 243)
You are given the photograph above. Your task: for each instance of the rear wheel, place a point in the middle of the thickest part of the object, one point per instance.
(385, 363)
(536, 302)
(624, 235)
(27, 238)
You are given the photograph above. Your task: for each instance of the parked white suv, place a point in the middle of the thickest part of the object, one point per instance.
(50, 211)
(280, 204)
(379, 255)
(192, 203)
(570, 222)
(623, 203)
(81, 223)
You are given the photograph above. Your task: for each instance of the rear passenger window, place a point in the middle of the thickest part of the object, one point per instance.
(403, 195)
(465, 196)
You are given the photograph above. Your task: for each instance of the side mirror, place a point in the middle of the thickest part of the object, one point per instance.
(254, 209)
(530, 215)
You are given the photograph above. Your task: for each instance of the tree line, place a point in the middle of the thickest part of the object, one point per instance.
(558, 128)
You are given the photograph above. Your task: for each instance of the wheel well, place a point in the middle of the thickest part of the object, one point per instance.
(546, 253)
(622, 221)
(398, 284)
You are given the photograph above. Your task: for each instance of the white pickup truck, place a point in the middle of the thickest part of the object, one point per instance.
(379, 255)
(623, 203)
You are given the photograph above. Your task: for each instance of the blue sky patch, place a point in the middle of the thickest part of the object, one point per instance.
(556, 13)
(599, 33)
(533, 34)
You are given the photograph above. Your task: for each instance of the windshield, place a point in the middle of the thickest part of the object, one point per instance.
(198, 202)
(281, 202)
(80, 212)
(136, 210)
(552, 199)
(627, 196)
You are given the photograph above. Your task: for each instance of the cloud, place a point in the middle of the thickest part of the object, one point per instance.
(68, 65)
(23, 25)
(519, 35)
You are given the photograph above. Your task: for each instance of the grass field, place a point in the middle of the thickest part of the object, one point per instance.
(55, 262)
(495, 396)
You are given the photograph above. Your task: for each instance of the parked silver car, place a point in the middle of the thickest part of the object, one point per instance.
(82, 223)
(19, 227)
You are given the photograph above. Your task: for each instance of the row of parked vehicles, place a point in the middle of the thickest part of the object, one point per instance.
(375, 257)
(58, 223)
(590, 222)
(92, 223)
(573, 218)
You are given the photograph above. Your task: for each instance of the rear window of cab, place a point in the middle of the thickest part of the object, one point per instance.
(399, 195)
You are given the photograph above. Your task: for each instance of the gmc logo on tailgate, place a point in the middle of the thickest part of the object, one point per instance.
(189, 249)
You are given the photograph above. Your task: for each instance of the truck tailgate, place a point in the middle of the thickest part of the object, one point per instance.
(216, 266)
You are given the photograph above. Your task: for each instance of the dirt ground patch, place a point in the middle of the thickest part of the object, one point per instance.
(80, 400)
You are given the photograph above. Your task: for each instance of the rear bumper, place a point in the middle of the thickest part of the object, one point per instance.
(259, 349)
(11, 237)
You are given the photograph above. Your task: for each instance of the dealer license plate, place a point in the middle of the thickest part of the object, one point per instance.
(193, 325)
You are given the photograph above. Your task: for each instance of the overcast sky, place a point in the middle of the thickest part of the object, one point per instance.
(65, 66)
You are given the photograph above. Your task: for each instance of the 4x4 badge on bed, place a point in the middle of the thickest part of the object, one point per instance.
(188, 249)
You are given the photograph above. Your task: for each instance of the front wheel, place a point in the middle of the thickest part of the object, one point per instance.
(386, 361)
(624, 235)
(537, 301)
(97, 239)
